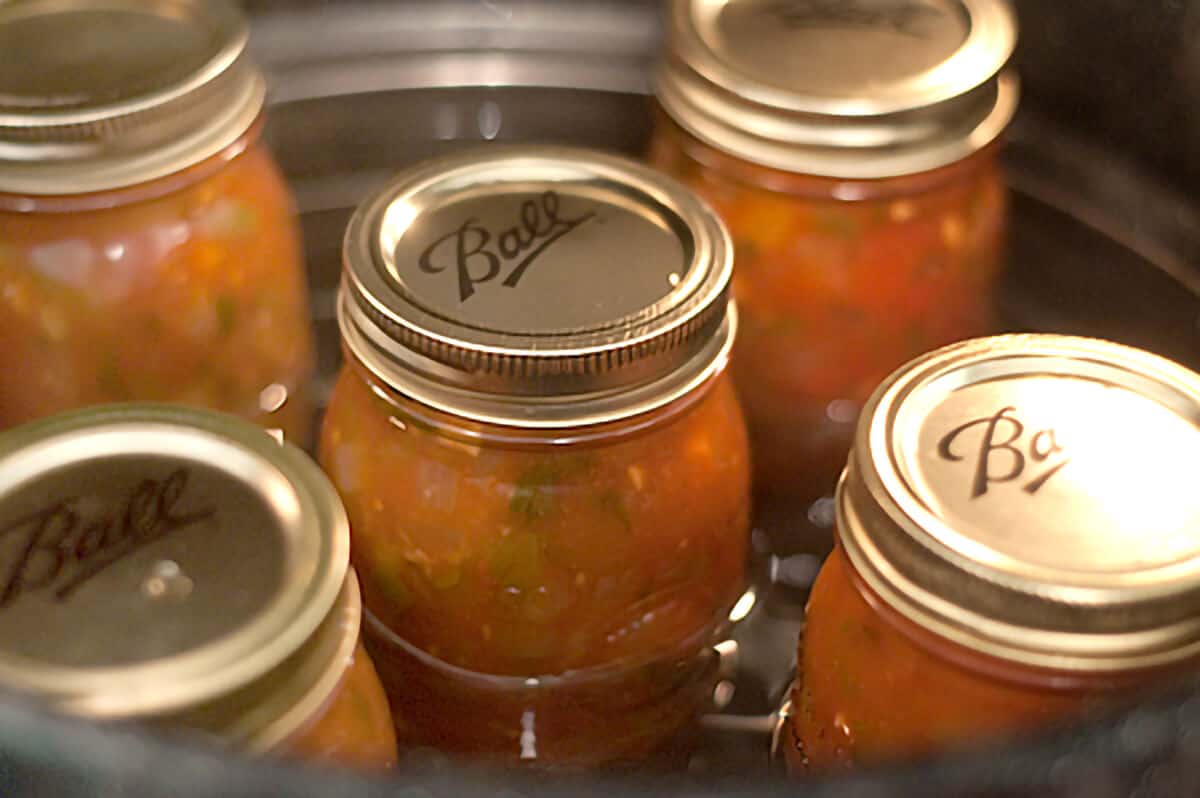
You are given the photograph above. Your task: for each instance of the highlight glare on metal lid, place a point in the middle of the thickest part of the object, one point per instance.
(1033, 498)
(853, 89)
(537, 287)
(154, 558)
(100, 94)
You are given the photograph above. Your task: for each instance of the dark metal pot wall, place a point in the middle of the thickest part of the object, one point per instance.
(1128, 73)
(1105, 160)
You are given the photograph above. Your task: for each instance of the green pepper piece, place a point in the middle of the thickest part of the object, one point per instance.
(445, 575)
(517, 561)
(533, 497)
(239, 219)
(836, 224)
(226, 308)
(611, 502)
(396, 594)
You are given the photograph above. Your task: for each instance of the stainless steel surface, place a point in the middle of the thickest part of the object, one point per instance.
(103, 94)
(155, 558)
(1029, 497)
(862, 89)
(430, 44)
(537, 287)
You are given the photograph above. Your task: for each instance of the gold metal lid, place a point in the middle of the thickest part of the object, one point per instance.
(537, 287)
(841, 88)
(101, 94)
(264, 715)
(1033, 497)
(154, 559)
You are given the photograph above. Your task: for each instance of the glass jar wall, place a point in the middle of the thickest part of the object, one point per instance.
(545, 467)
(356, 727)
(1007, 558)
(856, 654)
(183, 569)
(838, 282)
(602, 569)
(148, 244)
(851, 150)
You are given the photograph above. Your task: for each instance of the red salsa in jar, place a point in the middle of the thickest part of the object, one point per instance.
(148, 244)
(851, 149)
(545, 468)
(182, 569)
(1009, 557)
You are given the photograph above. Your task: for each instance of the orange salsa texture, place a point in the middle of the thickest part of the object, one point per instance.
(868, 693)
(355, 728)
(838, 283)
(195, 295)
(541, 559)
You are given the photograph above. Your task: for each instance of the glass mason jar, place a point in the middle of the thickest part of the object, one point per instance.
(183, 569)
(148, 244)
(546, 471)
(851, 150)
(1008, 556)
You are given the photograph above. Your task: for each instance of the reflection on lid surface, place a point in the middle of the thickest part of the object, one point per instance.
(93, 57)
(152, 557)
(851, 89)
(536, 263)
(97, 95)
(835, 50)
(1063, 473)
(1032, 497)
(540, 286)
(98, 552)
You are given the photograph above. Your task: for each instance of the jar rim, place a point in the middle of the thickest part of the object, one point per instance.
(157, 501)
(265, 715)
(165, 87)
(730, 84)
(626, 310)
(1077, 563)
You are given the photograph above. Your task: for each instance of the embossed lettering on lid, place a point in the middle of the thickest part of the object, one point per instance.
(154, 559)
(100, 94)
(1034, 498)
(825, 49)
(846, 88)
(537, 286)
